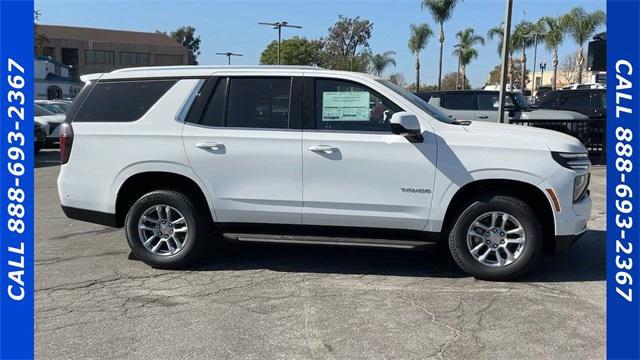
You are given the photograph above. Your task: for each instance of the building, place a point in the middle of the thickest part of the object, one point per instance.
(89, 50)
(53, 80)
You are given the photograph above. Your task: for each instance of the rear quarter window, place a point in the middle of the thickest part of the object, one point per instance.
(124, 101)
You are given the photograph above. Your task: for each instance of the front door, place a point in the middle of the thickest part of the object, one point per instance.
(246, 148)
(356, 172)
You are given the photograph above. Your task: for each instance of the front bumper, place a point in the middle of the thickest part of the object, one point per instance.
(563, 242)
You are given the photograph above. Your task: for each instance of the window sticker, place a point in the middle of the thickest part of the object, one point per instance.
(345, 106)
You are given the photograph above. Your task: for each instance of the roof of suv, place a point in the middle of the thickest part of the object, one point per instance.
(200, 70)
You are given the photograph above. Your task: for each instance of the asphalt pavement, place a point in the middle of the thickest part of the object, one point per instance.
(305, 302)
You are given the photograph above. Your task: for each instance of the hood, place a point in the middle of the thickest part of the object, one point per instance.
(544, 114)
(526, 136)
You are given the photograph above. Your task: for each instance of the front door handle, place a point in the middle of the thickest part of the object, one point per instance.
(323, 148)
(483, 116)
(210, 145)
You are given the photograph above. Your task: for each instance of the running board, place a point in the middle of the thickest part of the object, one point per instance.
(324, 240)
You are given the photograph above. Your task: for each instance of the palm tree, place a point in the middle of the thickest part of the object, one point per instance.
(420, 35)
(498, 32)
(521, 38)
(581, 25)
(378, 63)
(554, 35)
(465, 51)
(441, 10)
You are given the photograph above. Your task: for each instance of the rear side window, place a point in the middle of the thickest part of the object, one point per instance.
(214, 113)
(455, 101)
(574, 101)
(258, 102)
(488, 101)
(124, 101)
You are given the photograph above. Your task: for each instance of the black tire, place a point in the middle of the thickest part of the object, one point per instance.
(513, 206)
(197, 220)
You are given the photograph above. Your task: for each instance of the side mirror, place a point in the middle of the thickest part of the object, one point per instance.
(406, 124)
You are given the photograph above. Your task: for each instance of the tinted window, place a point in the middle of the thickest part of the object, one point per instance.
(488, 101)
(548, 101)
(463, 101)
(574, 101)
(343, 105)
(259, 102)
(121, 101)
(599, 100)
(214, 113)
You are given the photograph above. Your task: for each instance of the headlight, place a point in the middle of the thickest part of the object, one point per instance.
(580, 185)
(573, 161)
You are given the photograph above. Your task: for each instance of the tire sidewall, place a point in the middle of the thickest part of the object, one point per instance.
(177, 201)
(518, 209)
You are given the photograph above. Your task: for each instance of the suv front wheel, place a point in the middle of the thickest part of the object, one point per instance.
(496, 238)
(165, 229)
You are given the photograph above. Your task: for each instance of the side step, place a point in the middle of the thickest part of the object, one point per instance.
(325, 240)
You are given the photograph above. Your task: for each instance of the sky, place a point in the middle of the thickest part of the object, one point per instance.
(233, 26)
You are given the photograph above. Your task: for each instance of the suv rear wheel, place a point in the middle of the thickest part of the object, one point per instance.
(165, 229)
(496, 238)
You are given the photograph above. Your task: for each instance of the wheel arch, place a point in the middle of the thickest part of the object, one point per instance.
(137, 184)
(527, 192)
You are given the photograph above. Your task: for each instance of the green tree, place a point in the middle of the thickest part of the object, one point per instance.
(580, 26)
(346, 45)
(449, 82)
(294, 51)
(465, 50)
(441, 11)
(420, 35)
(378, 63)
(553, 37)
(39, 40)
(186, 35)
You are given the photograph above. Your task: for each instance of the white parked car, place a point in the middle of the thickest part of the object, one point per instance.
(185, 156)
(52, 120)
(585, 86)
(55, 106)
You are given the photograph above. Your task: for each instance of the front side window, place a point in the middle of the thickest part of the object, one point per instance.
(343, 105)
(124, 101)
(258, 102)
(574, 101)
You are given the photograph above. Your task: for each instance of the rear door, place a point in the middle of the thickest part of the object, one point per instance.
(243, 139)
(356, 172)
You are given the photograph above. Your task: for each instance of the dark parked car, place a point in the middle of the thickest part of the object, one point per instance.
(591, 102)
(482, 105)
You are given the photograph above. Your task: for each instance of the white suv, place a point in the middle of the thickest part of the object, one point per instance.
(185, 156)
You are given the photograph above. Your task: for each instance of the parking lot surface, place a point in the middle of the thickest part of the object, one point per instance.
(295, 302)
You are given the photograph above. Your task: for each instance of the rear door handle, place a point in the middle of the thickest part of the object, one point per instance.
(210, 145)
(323, 148)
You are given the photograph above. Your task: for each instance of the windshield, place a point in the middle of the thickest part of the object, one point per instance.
(40, 111)
(523, 102)
(423, 105)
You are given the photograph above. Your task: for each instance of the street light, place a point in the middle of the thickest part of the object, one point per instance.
(228, 55)
(508, 7)
(543, 67)
(279, 25)
(535, 53)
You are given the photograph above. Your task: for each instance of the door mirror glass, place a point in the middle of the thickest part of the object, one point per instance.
(406, 124)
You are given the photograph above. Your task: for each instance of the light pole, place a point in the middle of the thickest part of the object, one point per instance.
(543, 67)
(228, 55)
(535, 53)
(279, 25)
(505, 46)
